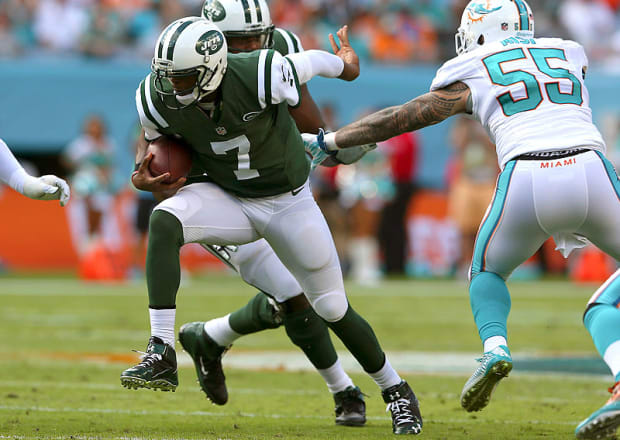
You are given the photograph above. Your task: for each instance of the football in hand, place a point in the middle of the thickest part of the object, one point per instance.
(170, 155)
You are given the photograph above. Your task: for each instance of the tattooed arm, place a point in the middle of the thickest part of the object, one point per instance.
(425, 110)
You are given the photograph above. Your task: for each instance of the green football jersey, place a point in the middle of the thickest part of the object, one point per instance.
(251, 146)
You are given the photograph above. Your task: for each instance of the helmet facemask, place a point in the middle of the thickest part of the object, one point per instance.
(187, 96)
(189, 63)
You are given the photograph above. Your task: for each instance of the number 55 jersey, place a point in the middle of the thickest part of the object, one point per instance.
(528, 93)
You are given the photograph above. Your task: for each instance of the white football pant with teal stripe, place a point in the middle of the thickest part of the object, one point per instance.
(570, 198)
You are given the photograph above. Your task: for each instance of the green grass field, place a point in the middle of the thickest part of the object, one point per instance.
(64, 344)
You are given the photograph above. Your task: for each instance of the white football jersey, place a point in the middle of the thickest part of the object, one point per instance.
(528, 94)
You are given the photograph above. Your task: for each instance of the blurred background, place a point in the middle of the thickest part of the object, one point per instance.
(411, 208)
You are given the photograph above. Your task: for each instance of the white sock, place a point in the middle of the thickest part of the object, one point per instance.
(612, 358)
(494, 341)
(221, 332)
(386, 376)
(162, 324)
(335, 378)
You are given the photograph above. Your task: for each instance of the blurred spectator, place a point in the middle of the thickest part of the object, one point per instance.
(146, 24)
(590, 23)
(89, 161)
(402, 153)
(104, 34)
(10, 46)
(59, 24)
(471, 182)
(21, 16)
(365, 187)
(392, 31)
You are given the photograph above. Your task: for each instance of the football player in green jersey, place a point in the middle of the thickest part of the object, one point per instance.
(249, 181)
(257, 263)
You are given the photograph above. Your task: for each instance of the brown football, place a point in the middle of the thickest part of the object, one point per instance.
(170, 155)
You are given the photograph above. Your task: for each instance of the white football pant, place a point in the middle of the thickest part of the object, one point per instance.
(570, 199)
(292, 225)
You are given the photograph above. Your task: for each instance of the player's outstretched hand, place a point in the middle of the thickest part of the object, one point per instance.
(312, 148)
(346, 53)
(315, 147)
(145, 181)
(47, 187)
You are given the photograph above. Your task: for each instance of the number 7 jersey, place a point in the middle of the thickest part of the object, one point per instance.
(528, 94)
(250, 145)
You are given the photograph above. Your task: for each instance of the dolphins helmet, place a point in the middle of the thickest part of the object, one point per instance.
(484, 21)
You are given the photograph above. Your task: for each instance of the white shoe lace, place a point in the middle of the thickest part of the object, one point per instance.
(148, 359)
(401, 411)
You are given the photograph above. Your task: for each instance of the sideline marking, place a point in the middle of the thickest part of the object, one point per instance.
(253, 415)
(408, 362)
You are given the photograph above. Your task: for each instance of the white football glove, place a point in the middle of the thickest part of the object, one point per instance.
(47, 187)
(350, 155)
(316, 148)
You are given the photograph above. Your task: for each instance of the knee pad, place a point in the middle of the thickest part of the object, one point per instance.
(331, 306)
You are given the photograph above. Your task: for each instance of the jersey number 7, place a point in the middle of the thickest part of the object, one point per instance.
(243, 171)
(540, 57)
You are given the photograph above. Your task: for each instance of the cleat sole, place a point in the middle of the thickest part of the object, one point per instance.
(411, 430)
(352, 422)
(136, 383)
(479, 395)
(602, 427)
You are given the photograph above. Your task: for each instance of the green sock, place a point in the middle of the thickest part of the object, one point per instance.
(258, 314)
(163, 270)
(357, 335)
(308, 331)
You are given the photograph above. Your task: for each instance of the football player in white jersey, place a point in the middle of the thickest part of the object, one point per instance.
(47, 187)
(529, 94)
(280, 300)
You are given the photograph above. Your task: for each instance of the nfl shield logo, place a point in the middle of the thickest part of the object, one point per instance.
(504, 26)
(221, 131)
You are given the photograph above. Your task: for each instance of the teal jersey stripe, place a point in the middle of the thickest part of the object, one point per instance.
(524, 19)
(611, 173)
(490, 224)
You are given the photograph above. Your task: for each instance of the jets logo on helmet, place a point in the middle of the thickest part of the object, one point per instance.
(190, 47)
(492, 20)
(210, 43)
(241, 18)
(213, 10)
